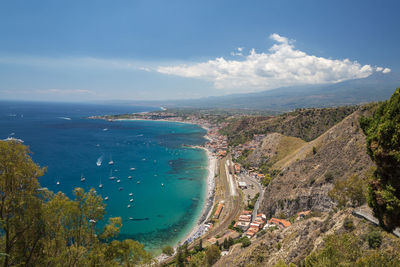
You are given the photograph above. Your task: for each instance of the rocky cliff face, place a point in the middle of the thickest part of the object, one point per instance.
(309, 173)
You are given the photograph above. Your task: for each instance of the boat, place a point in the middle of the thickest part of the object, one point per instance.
(138, 182)
(130, 194)
(130, 218)
(131, 200)
(99, 161)
(162, 184)
(118, 181)
(111, 176)
(129, 206)
(58, 183)
(111, 162)
(132, 169)
(106, 198)
(83, 178)
(13, 139)
(129, 177)
(100, 185)
(105, 129)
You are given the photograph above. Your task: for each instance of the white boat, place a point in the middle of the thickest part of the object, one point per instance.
(130, 194)
(130, 218)
(132, 169)
(58, 183)
(129, 177)
(105, 129)
(106, 198)
(162, 184)
(100, 185)
(118, 181)
(131, 200)
(129, 206)
(99, 161)
(13, 139)
(111, 176)
(82, 178)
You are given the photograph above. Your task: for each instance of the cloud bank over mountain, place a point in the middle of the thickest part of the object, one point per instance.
(283, 65)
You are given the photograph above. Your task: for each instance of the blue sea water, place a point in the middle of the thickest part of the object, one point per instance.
(168, 182)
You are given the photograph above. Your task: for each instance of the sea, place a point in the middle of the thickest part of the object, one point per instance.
(160, 182)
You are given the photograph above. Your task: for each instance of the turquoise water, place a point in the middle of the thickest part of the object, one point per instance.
(167, 184)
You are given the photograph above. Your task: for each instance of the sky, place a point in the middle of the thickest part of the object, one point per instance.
(53, 50)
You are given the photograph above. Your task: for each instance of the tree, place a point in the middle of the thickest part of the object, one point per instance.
(168, 250)
(20, 206)
(383, 146)
(40, 228)
(352, 190)
(212, 254)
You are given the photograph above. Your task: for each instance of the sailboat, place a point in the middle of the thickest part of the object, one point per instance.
(111, 176)
(83, 178)
(111, 162)
(58, 183)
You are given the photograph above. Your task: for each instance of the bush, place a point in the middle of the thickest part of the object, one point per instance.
(328, 177)
(348, 224)
(374, 239)
(212, 254)
(167, 250)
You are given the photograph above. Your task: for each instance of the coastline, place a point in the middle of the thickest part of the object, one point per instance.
(199, 228)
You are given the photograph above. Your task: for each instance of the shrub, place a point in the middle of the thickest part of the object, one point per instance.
(167, 250)
(374, 239)
(348, 224)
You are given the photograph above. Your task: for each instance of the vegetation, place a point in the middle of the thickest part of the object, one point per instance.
(383, 146)
(252, 202)
(168, 250)
(306, 124)
(40, 228)
(347, 250)
(351, 191)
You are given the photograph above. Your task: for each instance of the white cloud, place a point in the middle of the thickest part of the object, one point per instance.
(386, 70)
(283, 65)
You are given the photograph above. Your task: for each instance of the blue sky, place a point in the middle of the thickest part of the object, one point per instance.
(95, 50)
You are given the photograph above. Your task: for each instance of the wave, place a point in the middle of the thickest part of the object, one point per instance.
(64, 118)
(99, 161)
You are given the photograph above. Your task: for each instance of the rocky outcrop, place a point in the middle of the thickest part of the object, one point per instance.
(308, 174)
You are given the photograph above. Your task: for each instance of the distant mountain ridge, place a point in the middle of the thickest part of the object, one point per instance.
(376, 87)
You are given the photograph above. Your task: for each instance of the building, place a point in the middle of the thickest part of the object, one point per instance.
(242, 185)
(302, 214)
(219, 210)
(279, 222)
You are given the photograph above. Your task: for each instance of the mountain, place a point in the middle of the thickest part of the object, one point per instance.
(376, 87)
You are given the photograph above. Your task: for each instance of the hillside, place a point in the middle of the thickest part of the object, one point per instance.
(273, 148)
(348, 235)
(306, 178)
(306, 124)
